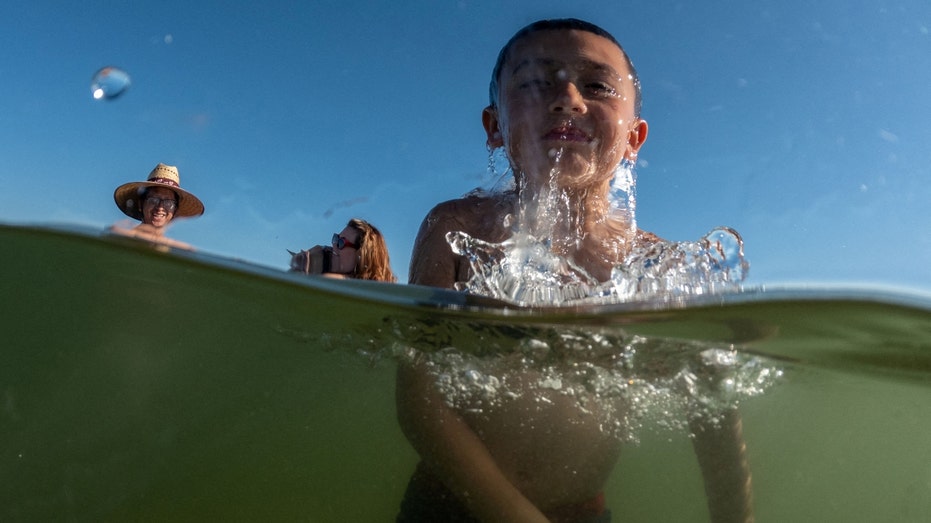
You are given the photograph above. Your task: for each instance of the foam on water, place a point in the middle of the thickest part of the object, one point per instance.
(628, 382)
(524, 270)
(632, 379)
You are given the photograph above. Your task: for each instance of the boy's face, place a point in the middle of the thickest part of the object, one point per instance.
(565, 101)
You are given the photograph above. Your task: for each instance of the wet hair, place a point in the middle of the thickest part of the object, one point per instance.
(554, 25)
(373, 262)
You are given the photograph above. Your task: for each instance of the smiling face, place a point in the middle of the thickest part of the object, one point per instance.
(157, 209)
(565, 105)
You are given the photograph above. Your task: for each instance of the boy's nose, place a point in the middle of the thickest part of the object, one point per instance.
(568, 98)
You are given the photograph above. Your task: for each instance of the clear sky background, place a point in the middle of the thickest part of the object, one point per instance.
(804, 125)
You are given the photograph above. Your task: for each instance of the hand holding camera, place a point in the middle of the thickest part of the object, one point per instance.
(316, 260)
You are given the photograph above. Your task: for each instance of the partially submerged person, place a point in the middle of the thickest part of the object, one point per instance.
(565, 106)
(359, 251)
(156, 202)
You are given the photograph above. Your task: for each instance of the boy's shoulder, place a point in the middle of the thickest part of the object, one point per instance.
(470, 203)
(474, 210)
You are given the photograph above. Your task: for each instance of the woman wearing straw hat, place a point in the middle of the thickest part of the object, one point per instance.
(155, 202)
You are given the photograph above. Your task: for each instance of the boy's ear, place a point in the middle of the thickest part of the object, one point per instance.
(635, 138)
(492, 127)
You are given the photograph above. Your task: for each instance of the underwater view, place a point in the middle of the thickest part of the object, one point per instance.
(624, 263)
(271, 396)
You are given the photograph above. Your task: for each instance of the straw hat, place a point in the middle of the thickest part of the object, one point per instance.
(127, 195)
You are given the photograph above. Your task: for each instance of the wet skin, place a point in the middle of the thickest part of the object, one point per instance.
(566, 100)
(566, 110)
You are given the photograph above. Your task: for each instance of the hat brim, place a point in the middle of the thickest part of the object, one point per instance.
(126, 197)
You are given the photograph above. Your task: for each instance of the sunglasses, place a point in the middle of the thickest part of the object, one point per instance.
(168, 205)
(340, 243)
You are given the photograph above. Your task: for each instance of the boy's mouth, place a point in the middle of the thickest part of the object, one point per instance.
(567, 133)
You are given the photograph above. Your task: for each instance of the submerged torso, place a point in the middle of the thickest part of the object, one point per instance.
(554, 441)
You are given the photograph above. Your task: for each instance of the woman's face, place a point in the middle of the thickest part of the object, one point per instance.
(344, 260)
(159, 206)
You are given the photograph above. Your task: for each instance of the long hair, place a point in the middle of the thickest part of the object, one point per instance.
(373, 262)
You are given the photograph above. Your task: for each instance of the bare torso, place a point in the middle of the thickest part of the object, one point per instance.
(556, 445)
(433, 262)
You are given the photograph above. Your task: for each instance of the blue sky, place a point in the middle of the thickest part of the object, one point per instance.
(806, 128)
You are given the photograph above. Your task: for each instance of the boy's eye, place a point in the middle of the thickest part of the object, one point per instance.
(536, 83)
(602, 88)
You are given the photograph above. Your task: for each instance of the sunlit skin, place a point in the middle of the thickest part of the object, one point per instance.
(157, 215)
(566, 117)
(344, 260)
(358, 251)
(566, 101)
(155, 219)
(566, 113)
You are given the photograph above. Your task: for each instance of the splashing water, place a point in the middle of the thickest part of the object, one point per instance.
(109, 83)
(671, 270)
(627, 383)
(624, 381)
(525, 270)
(522, 270)
(622, 197)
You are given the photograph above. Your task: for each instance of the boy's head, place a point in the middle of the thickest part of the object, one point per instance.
(565, 106)
(559, 24)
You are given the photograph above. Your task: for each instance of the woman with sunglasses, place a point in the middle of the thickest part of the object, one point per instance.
(358, 251)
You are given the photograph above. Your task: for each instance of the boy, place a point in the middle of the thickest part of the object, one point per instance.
(565, 105)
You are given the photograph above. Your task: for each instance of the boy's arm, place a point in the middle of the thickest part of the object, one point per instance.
(722, 457)
(455, 453)
(439, 435)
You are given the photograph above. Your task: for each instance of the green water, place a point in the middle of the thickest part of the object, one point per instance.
(146, 386)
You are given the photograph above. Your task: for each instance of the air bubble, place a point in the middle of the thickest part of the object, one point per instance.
(109, 83)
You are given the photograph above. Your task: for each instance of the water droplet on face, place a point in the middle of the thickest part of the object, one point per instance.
(109, 83)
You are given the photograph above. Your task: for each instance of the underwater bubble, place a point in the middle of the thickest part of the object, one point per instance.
(109, 83)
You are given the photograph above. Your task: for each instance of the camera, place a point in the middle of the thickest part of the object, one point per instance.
(327, 259)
